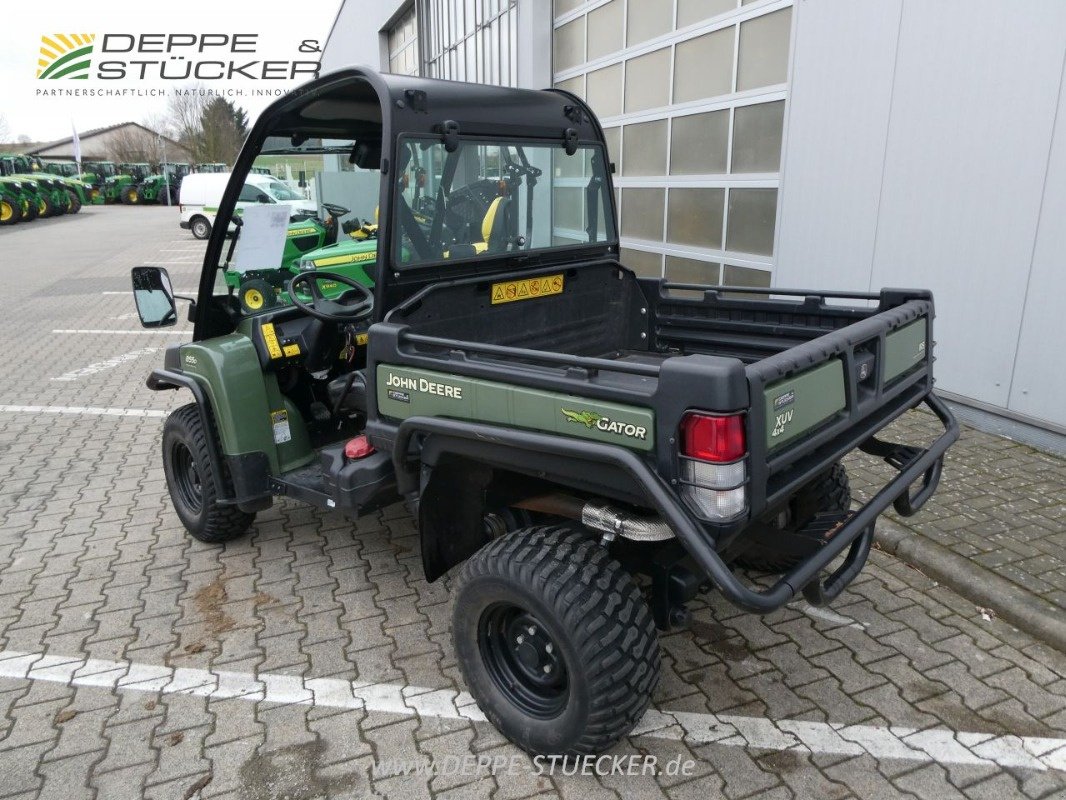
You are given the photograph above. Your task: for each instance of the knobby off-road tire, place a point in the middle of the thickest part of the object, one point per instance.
(75, 202)
(831, 492)
(191, 480)
(553, 597)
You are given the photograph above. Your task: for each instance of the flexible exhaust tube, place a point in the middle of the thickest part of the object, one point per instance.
(602, 517)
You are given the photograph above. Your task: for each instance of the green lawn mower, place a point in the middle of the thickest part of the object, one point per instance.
(306, 250)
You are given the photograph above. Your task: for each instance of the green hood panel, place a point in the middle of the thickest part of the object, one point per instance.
(250, 411)
(404, 392)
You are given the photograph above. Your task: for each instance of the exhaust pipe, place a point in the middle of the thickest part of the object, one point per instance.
(602, 517)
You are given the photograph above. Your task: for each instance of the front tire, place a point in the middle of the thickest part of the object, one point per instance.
(192, 481)
(8, 214)
(200, 227)
(554, 640)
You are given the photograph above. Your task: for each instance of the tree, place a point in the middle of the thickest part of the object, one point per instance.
(223, 129)
(211, 128)
(185, 110)
(133, 145)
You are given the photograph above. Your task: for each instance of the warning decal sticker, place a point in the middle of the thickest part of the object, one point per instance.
(510, 291)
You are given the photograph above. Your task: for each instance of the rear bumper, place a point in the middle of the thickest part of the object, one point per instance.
(855, 535)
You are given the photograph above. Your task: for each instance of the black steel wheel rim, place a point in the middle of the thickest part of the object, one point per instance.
(186, 477)
(523, 660)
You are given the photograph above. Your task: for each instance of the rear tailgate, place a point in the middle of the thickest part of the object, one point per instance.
(816, 401)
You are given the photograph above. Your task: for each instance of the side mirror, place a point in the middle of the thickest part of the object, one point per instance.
(263, 198)
(154, 296)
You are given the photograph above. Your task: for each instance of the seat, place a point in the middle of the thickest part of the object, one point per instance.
(347, 393)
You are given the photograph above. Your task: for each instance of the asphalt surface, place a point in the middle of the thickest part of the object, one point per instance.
(311, 659)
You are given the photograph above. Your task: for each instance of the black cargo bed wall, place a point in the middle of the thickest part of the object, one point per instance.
(735, 326)
(599, 313)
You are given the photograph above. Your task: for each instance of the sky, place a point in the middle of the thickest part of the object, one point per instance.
(273, 35)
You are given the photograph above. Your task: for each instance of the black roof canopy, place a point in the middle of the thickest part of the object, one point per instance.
(404, 104)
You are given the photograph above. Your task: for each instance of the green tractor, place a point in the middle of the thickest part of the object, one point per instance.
(122, 187)
(155, 188)
(78, 192)
(212, 168)
(25, 197)
(49, 196)
(14, 205)
(95, 173)
(65, 169)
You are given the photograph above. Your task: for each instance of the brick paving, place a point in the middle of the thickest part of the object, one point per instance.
(96, 571)
(1001, 504)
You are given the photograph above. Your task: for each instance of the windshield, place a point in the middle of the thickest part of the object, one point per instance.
(283, 192)
(494, 197)
(328, 212)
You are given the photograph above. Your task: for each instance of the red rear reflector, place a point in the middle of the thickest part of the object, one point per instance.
(359, 447)
(718, 439)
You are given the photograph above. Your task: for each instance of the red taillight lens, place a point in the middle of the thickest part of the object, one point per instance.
(717, 439)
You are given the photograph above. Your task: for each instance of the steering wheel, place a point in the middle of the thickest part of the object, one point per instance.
(325, 309)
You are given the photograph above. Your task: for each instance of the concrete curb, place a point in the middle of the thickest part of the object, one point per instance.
(1020, 608)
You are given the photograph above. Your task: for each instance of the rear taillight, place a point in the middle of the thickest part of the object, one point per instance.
(717, 439)
(713, 450)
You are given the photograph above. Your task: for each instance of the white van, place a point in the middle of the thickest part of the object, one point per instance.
(202, 192)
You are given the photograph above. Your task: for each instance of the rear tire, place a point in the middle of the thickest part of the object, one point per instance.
(830, 492)
(555, 641)
(192, 481)
(200, 227)
(75, 202)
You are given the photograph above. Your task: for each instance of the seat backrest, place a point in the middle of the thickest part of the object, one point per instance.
(494, 226)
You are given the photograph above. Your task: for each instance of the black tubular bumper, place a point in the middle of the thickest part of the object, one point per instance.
(856, 532)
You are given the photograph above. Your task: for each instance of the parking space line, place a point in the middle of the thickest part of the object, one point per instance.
(939, 746)
(123, 333)
(103, 366)
(92, 411)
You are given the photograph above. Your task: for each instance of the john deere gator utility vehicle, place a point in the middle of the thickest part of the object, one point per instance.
(564, 431)
(122, 187)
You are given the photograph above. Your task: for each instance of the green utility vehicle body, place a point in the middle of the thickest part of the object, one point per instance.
(485, 357)
(24, 196)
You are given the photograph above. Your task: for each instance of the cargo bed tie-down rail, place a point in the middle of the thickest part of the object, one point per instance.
(856, 532)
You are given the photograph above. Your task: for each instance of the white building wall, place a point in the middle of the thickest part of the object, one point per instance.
(916, 153)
